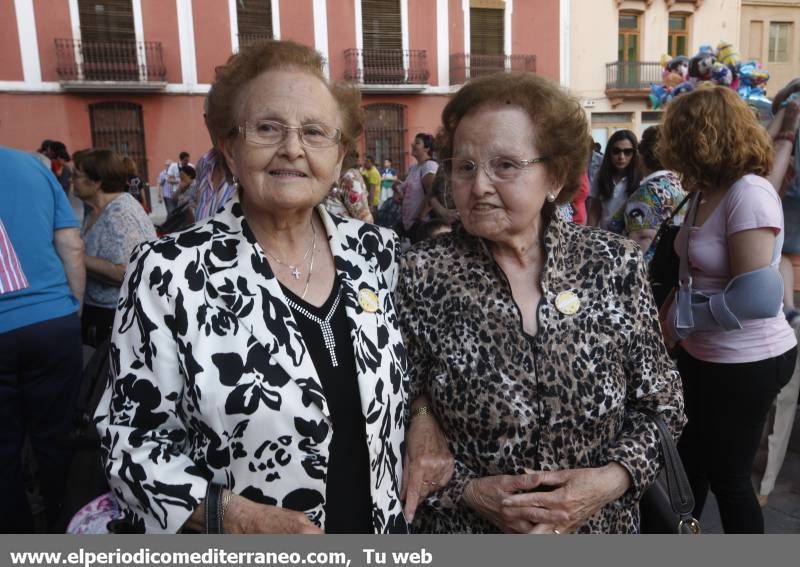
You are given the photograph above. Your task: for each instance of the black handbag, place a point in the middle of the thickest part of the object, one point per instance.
(663, 269)
(666, 507)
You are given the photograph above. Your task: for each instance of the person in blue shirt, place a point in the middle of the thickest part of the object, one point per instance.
(41, 263)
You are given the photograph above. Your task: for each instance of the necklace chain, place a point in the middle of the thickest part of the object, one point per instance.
(294, 268)
(310, 271)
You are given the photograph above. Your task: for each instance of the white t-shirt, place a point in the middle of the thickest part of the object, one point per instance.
(615, 203)
(173, 173)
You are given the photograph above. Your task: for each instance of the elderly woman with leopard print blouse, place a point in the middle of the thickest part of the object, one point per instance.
(533, 343)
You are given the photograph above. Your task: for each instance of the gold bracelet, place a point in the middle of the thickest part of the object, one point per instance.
(421, 410)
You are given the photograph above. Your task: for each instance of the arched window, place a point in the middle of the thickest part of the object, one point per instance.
(385, 132)
(119, 126)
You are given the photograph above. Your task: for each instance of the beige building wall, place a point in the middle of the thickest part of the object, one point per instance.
(757, 15)
(593, 29)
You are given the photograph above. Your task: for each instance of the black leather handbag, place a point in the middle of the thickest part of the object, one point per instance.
(666, 507)
(663, 269)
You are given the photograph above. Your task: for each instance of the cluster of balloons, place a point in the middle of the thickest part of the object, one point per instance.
(720, 66)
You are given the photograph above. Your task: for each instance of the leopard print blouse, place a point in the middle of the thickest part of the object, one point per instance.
(564, 398)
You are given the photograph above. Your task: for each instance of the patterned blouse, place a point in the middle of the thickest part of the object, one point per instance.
(120, 227)
(565, 398)
(656, 197)
(350, 198)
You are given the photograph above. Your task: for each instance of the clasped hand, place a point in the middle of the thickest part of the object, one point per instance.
(546, 502)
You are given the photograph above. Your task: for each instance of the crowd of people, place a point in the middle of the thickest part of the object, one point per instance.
(471, 347)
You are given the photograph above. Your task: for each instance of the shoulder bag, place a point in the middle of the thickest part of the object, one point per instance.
(666, 507)
(663, 269)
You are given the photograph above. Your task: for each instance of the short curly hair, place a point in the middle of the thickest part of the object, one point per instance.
(711, 138)
(563, 131)
(272, 55)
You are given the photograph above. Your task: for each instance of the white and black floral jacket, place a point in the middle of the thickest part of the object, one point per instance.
(211, 380)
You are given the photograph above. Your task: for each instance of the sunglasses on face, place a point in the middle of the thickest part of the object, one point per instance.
(627, 152)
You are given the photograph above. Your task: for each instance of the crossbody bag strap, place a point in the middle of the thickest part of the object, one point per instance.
(685, 318)
(667, 222)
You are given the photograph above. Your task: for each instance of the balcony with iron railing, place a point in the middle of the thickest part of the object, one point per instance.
(388, 70)
(465, 66)
(110, 65)
(247, 39)
(631, 79)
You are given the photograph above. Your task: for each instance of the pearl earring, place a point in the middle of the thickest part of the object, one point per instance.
(235, 182)
(551, 197)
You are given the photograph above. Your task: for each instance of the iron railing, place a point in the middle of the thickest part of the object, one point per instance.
(637, 75)
(129, 61)
(465, 66)
(386, 66)
(246, 39)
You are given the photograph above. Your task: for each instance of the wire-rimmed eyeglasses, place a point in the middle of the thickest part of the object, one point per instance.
(498, 168)
(273, 133)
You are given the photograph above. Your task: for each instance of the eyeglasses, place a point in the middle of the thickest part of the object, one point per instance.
(273, 133)
(627, 152)
(497, 168)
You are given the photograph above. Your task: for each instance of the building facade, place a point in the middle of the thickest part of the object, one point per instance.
(132, 74)
(617, 47)
(769, 34)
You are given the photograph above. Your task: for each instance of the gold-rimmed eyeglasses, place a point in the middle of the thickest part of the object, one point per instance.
(273, 133)
(498, 168)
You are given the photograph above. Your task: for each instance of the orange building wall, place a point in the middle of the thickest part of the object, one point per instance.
(52, 22)
(534, 30)
(212, 37)
(10, 57)
(422, 33)
(297, 21)
(456, 23)
(160, 23)
(341, 35)
(171, 123)
(47, 116)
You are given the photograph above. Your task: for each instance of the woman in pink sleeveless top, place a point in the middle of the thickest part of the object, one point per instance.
(732, 372)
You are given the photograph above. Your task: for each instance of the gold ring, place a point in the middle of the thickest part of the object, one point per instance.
(555, 531)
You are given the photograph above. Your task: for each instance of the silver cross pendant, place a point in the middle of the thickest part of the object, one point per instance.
(295, 272)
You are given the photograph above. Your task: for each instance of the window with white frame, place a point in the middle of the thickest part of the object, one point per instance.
(780, 38)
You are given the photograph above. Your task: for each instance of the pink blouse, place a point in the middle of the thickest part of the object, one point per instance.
(750, 203)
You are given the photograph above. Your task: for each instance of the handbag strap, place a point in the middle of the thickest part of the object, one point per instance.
(681, 499)
(665, 224)
(685, 200)
(683, 302)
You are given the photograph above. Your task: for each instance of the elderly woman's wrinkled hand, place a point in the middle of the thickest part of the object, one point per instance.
(577, 493)
(247, 517)
(487, 497)
(428, 463)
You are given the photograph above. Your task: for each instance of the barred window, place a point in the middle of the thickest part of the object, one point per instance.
(119, 126)
(385, 133)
